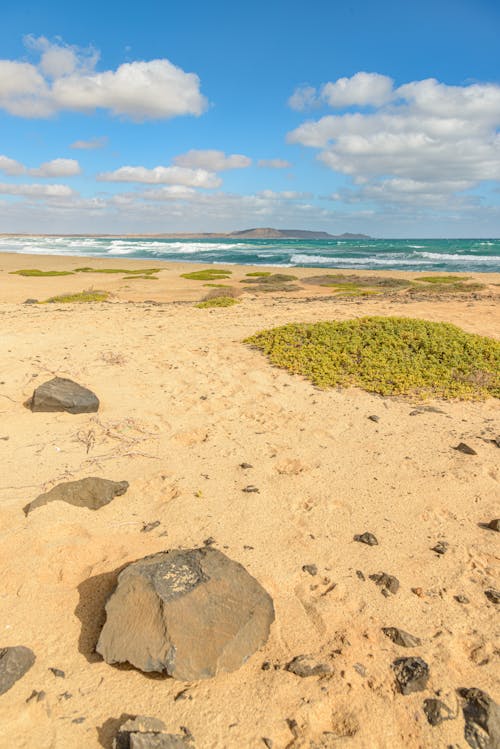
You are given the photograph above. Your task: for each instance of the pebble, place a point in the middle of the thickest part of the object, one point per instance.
(388, 583)
(436, 711)
(310, 568)
(402, 638)
(494, 524)
(306, 665)
(441, 547)
(412, 674)
(465, 449)
(250, 489)
(35, 695)
(366, 538)
(246, 465)
(374, 418)
(58, 673)
(148, 527)
(492, 595)
(461, 599)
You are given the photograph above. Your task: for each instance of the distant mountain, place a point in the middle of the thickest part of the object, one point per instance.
(268, 233)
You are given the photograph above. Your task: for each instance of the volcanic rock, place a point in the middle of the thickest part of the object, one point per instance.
(306, 665)
(148, 733)
(494, 524)
(436, 711)
(191, 613)
(61, 394)
(412, 674)
(462, 447)
(92, 493)
(14, 663)
(400, 637)
(366, 538)
(482, 719)
(388, 583)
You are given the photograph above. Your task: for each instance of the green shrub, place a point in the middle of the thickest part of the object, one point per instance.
(388, 355)
(144, 278)
(33, 272)
(79, 297)
(259, 273)
(442, 279)
(210, 274)
(137, 271)
(269, 278)
(218, 301)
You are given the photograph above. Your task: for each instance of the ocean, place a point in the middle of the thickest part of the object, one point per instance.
(450, 255)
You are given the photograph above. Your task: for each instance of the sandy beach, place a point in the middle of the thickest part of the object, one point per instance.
(183, 403)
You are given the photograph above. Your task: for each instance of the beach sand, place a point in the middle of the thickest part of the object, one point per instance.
(183, 403)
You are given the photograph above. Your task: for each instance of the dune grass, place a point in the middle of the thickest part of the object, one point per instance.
(259, 274)
(210, 274)
(218, 301)
(389, 356)
(35, 273)
(79, 297)
(138, 278)
(443, 279)
(215, 285)
(136, 272)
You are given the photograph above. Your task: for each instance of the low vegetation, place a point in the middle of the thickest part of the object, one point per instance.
(272, 282)
(210, 274)
(442, 279)
(35, 273)
(218, 301)
(79, 297)
(388, 355)
(447, 287)
(137, 272)
(259, 274)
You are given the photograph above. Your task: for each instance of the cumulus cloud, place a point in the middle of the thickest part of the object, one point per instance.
(65, 78)
(361, 89)
(166, 175)
(284, 195)
(91, 144)
(304, 97)
(212, 161)
(54, 168)
(274, 164)
(37, 191)
(10, 167)
(421, 134)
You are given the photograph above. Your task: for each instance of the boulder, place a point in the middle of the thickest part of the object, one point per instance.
(61, 394)
(148, 733)
(92, 493)
(412, 674)
(14, 663)
(191, 613)
(482, 719)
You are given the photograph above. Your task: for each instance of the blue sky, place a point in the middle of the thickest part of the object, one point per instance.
(161, 117)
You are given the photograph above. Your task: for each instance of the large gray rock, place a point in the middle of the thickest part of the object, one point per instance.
(61, 394)
(190, 613)
(482, 719)
(14, 663)
(148, 733)
(92, 493)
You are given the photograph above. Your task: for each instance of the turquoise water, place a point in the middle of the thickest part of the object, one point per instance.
(458, 255)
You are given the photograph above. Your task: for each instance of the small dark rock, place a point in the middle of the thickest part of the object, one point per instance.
(250, 489)
(360, 575)
(311, 569)
(82, 719)
(494, 524)
(492, 595)
(436, 711)
(61, 394)
(209, 541)
(482, 719)
(91, 492)
(148, 733)
(267, 742)
(366, 538)
(402, 638)
(388, 583)
(36, 695)
(58, 673)
(412, 674)
(14, 663)
(148, 527)
(465, 449)
(306, 665)
(461, 599)
(441, 547)
(65, 696)
(374, 418)
(246, 465)
(30, 301)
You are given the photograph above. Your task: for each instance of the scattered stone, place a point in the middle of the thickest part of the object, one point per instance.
(250, 488)
(360, 575)
(412, 674)
(58, 673)
(61, 394)
(402, 638)
(388, 583)
(465, 449)
(461, 599)
(82, 719)
(482, 719)
(436, 711)
(148, 733)
(361, 670)
(65, 696)
(148, 527)
(92, 493)
(182, 695)
(191, 613)
(428, 409)
(311, 569)
(267, 742)
(492, 595)
(30, 301)
(441, 547)
(209, 541)
(246, 465)
(366, 538)
(496, 440)
(494, 524)
(14, 663)
(306, 665)
(374, 418)
(36, 695)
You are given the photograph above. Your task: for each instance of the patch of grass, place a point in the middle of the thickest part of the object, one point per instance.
(144, 278)
(34, 273)
(269, 278)
(215, 285)
(447, 288)
(337, 280)
(210, 274)
(388, 355)
(260, 273)
(136, 272)
(218, 301)
(443, 279)
(79, 297)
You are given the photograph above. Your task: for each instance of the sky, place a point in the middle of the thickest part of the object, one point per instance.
(375, 117)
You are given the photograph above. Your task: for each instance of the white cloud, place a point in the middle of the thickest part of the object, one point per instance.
(304, 97)
(10, 167)
(166, 175)
(284, 195)
(57, 168)
(427, 134)
(65, 79)
(90, 144)
(37, 191)
(212, 161)
(360, 90)
(274, 164)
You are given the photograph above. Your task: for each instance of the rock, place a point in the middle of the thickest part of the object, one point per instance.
(35, 695)
(191, 613)
(492, 595)
(58, 673)
(388, 583)
(402, 638)
(360, 669)
(412, 674)
(311, 569)
(436, 711)
(482, 719)
(148, 733)
(92, 493)
(14, 663)
(306, 665)
(148, 527)
(61, 394)
(367, 538)
(494, 524)
(441, 547)
(496, 440)
(465, 449)
(249, 489)
(245, 466)
(374, 418)
(461, 599)
(30, 301)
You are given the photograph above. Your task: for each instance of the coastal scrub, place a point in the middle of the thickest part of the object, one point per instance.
(218, 301)
(35, 273)
(79, 297)
(210, 274)
(387, 355)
